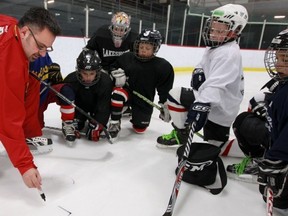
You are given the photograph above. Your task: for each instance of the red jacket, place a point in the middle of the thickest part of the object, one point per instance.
(14, 94)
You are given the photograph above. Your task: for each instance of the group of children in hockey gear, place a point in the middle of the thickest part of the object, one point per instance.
(109, 71)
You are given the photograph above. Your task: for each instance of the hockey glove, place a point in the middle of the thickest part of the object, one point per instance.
(164, 112)
(273, 174)
(93, 132)
(198, 112)
(258, 105)
(54, 74)
(198, 78)
(119, 76)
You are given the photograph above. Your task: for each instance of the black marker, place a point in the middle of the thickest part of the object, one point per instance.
(42, 194)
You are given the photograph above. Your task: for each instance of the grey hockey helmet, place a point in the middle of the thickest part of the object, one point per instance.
(88, 60)
(276, 57)
(235, 16)
(152, 37)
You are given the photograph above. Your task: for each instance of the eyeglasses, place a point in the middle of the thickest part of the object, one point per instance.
(42, 48)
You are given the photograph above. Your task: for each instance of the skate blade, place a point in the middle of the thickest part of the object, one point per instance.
(160, 146)
(243, 177)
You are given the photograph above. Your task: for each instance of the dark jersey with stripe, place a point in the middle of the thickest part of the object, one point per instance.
(146, 77)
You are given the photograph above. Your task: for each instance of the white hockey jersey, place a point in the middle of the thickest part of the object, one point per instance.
(224, 85)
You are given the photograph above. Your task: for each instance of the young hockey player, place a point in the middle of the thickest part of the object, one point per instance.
(273, 167)
(245, 126)
(90, 88)
(20, 43)
(213, 102)
(217, 83)
(111, 41)
(50, 73)
(141, 71)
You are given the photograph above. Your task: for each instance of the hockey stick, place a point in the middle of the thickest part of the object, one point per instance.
(269, 201)
(60, 130)
(78, 134)
(181, 168)
(75, 106)
(156, 106)
(228, 144)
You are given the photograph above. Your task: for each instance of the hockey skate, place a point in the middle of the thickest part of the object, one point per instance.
(246, 170)
(114, 129)
(175, 139)
(39, 145)
(68, 130)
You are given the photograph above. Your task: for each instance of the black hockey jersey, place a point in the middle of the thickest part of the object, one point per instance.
(147, 77)
(102, 42)
(278, 118)
(95, 99)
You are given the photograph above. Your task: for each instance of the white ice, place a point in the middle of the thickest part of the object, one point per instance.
(128, 178)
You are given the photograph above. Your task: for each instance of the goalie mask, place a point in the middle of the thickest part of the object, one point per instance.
(225, 24)
(147, 44)
(88, 67)
(276, 57)
(120, 27)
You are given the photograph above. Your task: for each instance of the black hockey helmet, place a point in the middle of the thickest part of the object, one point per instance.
(151, 37)
(88, 60)
(276, 57)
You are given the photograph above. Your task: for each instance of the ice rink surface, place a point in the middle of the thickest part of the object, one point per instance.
(131, 177)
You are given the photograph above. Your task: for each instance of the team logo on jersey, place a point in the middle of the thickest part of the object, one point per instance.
(1, 30)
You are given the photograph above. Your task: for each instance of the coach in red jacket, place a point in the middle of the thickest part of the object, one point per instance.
(21, 43)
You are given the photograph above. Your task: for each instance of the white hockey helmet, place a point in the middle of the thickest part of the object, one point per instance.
(120, 27)
(235, 16)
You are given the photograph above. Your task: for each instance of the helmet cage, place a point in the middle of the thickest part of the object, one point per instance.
(148, 37)
(120, 27)
(208, 29)
(276, 57)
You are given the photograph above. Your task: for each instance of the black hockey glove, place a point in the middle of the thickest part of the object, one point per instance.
(198, 78)
(198, 112)
(54, 74)
(93, 132)
(273, 174)
(259, 108)
(164, 112)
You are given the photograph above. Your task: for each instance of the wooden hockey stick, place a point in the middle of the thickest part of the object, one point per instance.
(181, 168)
(75, 106)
